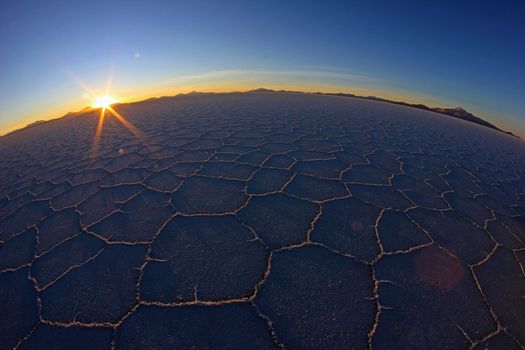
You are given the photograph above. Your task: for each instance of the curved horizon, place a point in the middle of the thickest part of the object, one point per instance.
(387, 96)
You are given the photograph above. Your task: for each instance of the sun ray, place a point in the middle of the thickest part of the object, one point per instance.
(98, 132)
(104, 103)
(87, 89)
(109, 81)
(134, 130)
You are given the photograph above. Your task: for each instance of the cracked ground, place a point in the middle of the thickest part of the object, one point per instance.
(262, 220)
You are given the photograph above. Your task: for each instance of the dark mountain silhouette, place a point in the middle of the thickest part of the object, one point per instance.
(261, 90)
(457, 112)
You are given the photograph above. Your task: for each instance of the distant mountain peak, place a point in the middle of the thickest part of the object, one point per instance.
(261, 90)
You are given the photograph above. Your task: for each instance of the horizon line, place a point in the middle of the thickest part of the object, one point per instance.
(378, 97)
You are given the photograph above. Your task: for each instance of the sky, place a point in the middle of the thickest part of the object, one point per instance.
(441, 53)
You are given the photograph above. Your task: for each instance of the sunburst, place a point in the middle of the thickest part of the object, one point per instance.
(104, 103)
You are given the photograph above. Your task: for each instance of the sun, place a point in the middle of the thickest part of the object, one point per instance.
(103, 102)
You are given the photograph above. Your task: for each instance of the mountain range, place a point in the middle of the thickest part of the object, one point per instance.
(457, 112)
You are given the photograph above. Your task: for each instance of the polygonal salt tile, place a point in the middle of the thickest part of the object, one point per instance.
(102, 290)
(57, 227)
(211, 258)
(80, 338)
(515, 224)
(164, 181)
(316, 189)
(193, 156)
(125, 176)
(54, 191)
(385, 161)
(18, 307)
(348, 226)
(278, 147)
(349, 158)
(66, 256)
(19, 250)
(424, 195)
(397, 232)
(267, 180)
(23, 218)
(366, 174)
(122, 161)
(281, 161)
(201, 195)
(317, 300)
(224, 157)
(87, 176)
(448, 229)
(499, 341)
(106, 201)
(469, 208)
(309, 155)
(140, 219)
(381, 196)
(502, 282)
(503, 235)
(278, 219)
(74, 195)
(203, 144)
(320, 168)
(234, 326)
(8, 206)
(227, 170)
(253, 158)
(317, 145)
(426, 294)
(185, 169)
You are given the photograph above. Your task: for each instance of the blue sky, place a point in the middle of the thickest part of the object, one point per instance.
(443, 53)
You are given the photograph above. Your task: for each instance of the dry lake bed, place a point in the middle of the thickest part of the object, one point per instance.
(262, 220)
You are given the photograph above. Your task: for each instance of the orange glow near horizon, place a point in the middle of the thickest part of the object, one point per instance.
(138, 94)
(104, 101)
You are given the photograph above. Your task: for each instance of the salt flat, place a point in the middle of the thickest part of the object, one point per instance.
(262, 220)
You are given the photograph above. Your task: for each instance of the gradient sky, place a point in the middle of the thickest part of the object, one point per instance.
(445, 53)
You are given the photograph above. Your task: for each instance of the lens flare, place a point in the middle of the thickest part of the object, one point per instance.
(104, 101)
